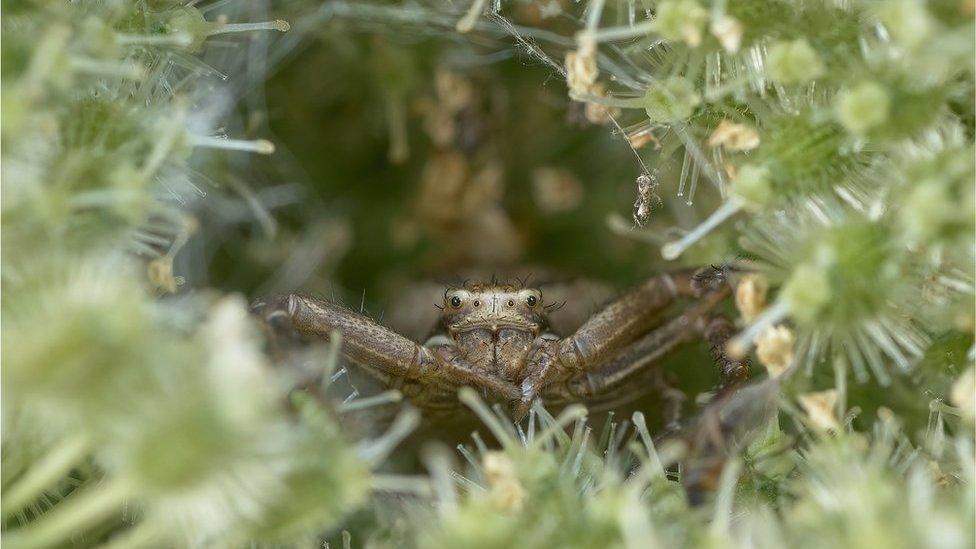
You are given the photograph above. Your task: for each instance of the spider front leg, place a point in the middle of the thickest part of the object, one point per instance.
(697, 322)
(377, 348)
(733, 372)
(612, 380)
(615, 327)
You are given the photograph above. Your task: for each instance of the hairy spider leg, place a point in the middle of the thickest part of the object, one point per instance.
(377, 348)
(615, 327)
(614, 379)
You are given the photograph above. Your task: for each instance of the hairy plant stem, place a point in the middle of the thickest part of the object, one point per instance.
(71, 517)
(45, 473)
(148, 533)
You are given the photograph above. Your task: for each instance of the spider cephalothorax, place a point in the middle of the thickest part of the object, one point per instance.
(493, 325)
(493, 337)
(493, 307)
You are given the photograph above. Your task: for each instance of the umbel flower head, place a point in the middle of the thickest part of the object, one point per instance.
(159, 427)
(858, 490)
(545, 487)
(74, 337)
(845, 281)
(839, 134)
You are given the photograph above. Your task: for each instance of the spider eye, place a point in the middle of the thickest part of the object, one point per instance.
(531, 300)
(511, 302)
(455, 302)
(477, 303)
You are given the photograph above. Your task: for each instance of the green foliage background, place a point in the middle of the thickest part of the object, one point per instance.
(165, 162)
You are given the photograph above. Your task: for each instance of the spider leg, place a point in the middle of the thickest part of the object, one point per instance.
(618, 324)
(646, 353)
(674, 400)
(643, 354)
(457, 371)
(615, 327)
(733, 372)
(616, 379)
(723, 428)
(375, 347)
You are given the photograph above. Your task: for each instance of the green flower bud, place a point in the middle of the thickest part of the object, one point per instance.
(681, 20)
(182, 446)
(907, 20)
(806, 292)
(673, 101)
(935, 202)
(752, 186)
(79, 345)
(188, 21)
(863, 107)
(134, 203)
(98, 38)
(765, 452)
(794, 62)
(928, 205)
(324, 480)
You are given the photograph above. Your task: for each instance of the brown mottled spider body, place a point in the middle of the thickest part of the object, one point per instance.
(495, 338)
(493, 326)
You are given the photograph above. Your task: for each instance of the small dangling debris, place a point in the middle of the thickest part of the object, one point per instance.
(596, 113)
(642, 137)
(581, 66)
(646, 198)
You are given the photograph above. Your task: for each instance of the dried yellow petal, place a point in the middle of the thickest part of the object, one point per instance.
(750, 296)
(820, 408)
(734, 137)
(774, 348)
(505, 490)
(581, 67)
(728, 31)
(963, 394)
